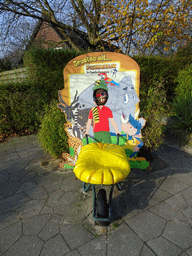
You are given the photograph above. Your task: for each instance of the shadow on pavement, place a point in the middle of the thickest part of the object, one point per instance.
(140, 187)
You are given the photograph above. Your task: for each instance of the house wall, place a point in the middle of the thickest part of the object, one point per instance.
(47, 37)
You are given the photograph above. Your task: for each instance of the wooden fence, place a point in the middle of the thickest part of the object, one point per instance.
(12, 76)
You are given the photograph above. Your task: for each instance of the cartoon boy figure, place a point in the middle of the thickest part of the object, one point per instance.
(101, 115)
(132, 128)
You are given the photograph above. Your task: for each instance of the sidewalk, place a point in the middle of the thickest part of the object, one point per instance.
(44, 212)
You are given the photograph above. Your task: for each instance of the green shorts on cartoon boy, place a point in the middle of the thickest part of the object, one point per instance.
(101, 115)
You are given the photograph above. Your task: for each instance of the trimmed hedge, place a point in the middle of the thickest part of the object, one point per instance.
(20, 105)
(45, 68)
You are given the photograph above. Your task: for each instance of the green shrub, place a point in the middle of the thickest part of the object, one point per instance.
(52, 135)
(153, 109)
(181, 121)
(184, 87)
(20, 108)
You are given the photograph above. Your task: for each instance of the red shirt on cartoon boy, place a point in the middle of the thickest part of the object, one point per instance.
(102, 122)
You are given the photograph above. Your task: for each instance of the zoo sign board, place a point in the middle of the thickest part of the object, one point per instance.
(122, 76)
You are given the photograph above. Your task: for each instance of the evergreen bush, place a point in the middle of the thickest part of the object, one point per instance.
(181, 108)
(181, 120)
(52, 135)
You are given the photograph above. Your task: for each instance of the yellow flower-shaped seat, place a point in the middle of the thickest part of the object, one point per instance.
(100, 163)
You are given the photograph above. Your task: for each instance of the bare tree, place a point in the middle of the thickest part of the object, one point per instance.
(14, 37)
(137, 26)
(69, 16)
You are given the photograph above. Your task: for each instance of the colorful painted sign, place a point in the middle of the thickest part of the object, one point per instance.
(122, 75)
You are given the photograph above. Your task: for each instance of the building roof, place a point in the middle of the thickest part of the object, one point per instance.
(78, 37)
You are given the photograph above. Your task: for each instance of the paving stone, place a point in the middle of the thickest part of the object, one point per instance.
(52, 186)
(29, 177)
(124, 205)
(16, 167)
(6, 164)
(90, 225)
(124, 241)
(144, 202)
(167, 152)
(56, 246)
(187, 162)
(30, 209)
(54, 197)
(187, 194)
(147, 252)
(167, 212)
(51, 178)
(64, 203)
(73, 253)
(34, 225)
(46, 210)
(179, 233)
(184, 177)
(163, 173)
(7, 219)
(163, 247)
(86, 203)
(172, 185)
(9, 236)
(96, 246)
(147, 225)
(71, 183)
(27, 186)
(75, 235)
(160, 195)
(24, 155)
(177, 164)
(74, 215)
(188, 214)
(35, 156)
(9, 188)
(7, 158)
(13, 202)
(4, 176)
(51, 228)
(18, 176)
(76, 204)
(189, 251)
(183, 254)
(177, 201)
(143, 187)
(14, 156)
(38, 193)
(26, 245)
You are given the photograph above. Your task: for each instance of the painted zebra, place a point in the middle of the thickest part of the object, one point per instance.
(76, 127)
